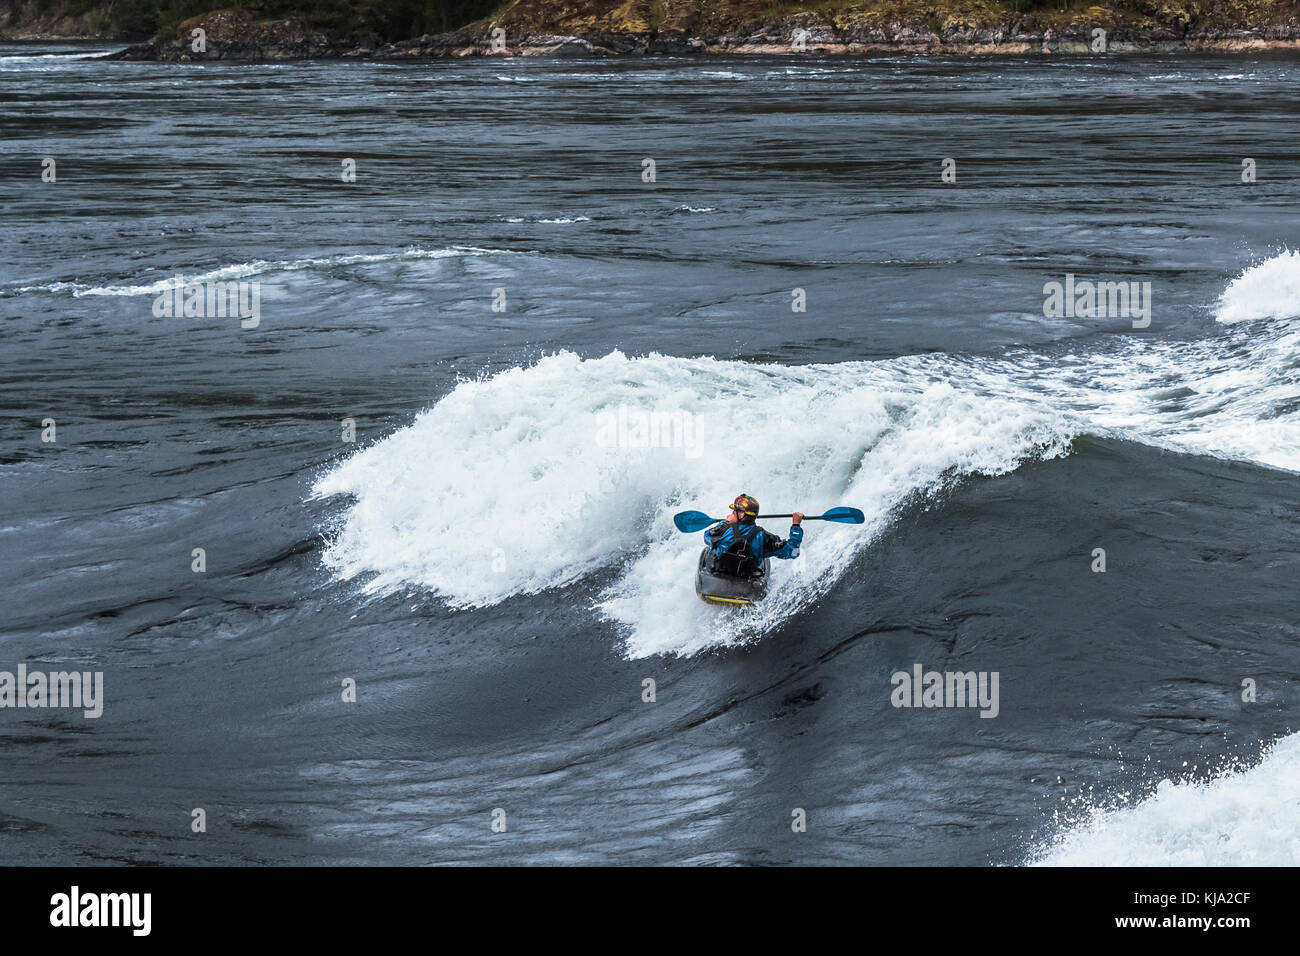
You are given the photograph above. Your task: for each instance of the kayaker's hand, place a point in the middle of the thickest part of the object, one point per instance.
(796, 518)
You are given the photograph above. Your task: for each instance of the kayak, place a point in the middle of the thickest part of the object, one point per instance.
(728, 589)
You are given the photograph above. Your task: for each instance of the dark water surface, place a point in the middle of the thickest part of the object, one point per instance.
(500, 584)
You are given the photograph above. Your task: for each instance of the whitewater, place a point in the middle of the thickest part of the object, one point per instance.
(493, 560)
(1236, 818)
(518, 450)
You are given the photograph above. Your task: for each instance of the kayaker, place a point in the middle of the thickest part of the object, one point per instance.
(739, 546)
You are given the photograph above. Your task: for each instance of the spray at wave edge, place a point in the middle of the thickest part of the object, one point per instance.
(577, 440)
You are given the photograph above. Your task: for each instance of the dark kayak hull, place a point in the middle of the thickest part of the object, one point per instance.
(723, 589)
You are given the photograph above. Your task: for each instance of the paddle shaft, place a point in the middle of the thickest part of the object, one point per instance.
(692, 521)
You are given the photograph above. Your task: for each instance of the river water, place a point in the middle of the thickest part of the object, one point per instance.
(443, 460)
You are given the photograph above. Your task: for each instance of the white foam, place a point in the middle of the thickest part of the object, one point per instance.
(519, 453)
(258, 267)
(1267, 290)
(40, 62)
(38, 57)
(559, 220)
(1243, 818)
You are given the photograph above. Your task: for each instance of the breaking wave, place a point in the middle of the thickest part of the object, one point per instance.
(558, 458)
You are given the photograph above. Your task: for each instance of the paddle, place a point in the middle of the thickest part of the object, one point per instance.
(692, 521)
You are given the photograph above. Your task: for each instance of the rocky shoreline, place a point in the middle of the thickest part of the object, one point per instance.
(238, 35)
(773, 39)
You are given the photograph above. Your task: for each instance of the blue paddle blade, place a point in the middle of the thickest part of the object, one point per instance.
(692, 521)
(844, 516)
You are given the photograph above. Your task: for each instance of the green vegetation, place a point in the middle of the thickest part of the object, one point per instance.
(386, 20)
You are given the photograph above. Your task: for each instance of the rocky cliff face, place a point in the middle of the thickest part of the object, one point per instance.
(863, 28)
(704, 18)
(240, 35)
(647, 27)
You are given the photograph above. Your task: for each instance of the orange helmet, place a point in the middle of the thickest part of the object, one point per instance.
(746, 507)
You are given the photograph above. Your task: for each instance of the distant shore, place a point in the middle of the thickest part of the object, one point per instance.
(238, 35)
(974, 43)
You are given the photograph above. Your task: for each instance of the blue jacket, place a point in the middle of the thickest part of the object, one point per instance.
(762, 544)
